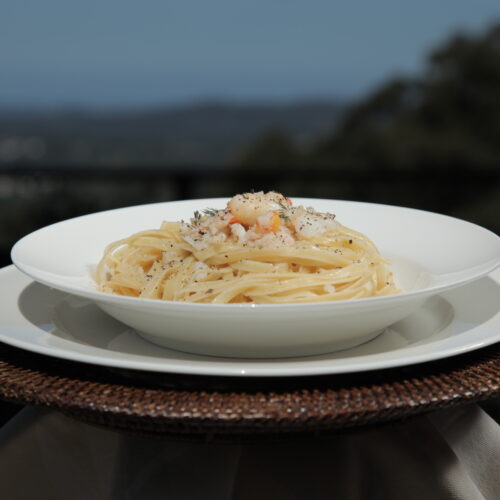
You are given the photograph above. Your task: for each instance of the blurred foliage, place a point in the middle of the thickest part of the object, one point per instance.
(448, 115)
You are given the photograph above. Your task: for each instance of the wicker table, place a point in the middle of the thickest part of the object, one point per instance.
(226, 408)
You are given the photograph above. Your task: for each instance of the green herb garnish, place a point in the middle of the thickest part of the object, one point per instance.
(283, 212)
(211, 211)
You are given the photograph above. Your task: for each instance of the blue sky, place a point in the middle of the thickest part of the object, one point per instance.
(133, 53)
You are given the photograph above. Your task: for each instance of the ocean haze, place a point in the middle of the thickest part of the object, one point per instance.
(206, 133)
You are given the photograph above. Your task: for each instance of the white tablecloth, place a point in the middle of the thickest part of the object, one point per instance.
(450, 454)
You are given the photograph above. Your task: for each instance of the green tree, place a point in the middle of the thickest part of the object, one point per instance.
(448, 115)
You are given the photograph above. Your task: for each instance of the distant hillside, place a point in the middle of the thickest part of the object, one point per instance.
(202, 134)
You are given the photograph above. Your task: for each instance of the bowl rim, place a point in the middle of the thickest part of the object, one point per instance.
(135, 302)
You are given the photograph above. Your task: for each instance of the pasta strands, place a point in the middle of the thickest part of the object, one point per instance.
(277, 265)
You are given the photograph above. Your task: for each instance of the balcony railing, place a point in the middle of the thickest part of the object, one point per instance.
(31, 197)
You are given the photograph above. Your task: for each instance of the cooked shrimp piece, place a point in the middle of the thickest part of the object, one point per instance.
(238, 231)
(307, 223)
(248, 207)
(269, 223)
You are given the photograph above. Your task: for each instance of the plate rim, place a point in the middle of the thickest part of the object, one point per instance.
(260, 368)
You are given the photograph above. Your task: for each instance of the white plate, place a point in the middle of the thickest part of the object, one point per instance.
(45, 321)
(431, 253)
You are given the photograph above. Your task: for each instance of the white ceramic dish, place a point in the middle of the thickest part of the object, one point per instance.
(430, 253)
(50, 322)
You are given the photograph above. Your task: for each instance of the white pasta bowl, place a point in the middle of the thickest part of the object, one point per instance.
(429, 253)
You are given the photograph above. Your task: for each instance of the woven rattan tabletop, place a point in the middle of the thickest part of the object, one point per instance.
(195, 406)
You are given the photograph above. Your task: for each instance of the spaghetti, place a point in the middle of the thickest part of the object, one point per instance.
(259, 249)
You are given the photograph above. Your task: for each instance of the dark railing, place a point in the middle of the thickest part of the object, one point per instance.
(31, 197)
(191, 181)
